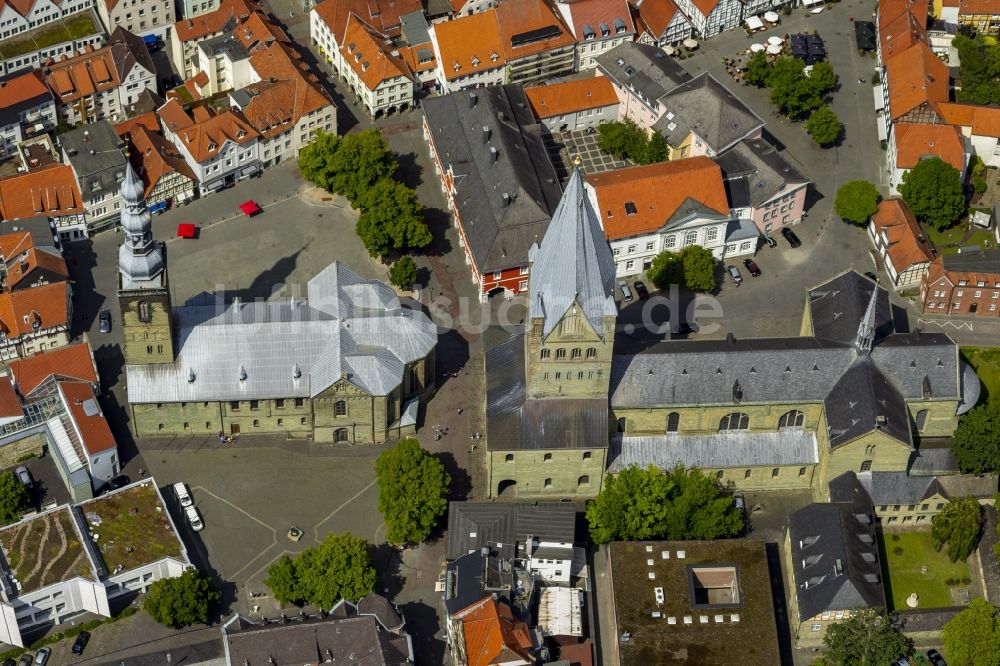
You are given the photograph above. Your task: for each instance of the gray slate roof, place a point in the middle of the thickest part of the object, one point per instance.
(835, 557)
(42, 233)
(95, 152)
(492, 143)
(574, 264)
(350, 327)
(885, 488)
(645, 70)
(791, 446)
(824, 369)
(973, 262)
(344, 636)
(476, 525)
(513, 421)
(706, 107)
(755, 172)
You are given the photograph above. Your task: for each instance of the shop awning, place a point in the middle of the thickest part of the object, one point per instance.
(879, 99)
(754, 23)
(249, 208)
(186, 230)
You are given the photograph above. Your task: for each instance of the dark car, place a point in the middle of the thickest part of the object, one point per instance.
(119, 482)
(81, 642)
(790, 236)
(935, 658)
(9, 662)
(27, 659)
(752, 266)
(105, 321)
(641, 290)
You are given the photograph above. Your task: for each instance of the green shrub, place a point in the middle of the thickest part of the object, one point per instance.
(898, 551)
(978, 184)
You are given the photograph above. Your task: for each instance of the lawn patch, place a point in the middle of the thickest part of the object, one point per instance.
(948, 241)
(70, 28)
(986, 362)
(903, 555)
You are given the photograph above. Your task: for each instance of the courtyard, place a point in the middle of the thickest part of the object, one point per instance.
(986, 362)
(911, 565)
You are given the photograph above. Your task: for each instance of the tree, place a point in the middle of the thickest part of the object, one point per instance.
(822, 78)
(791, 90)
(362, 160)
(867, 638)
(282, 581)
(976, 442)
(656, 149)
(933, 191)
(338, 568)
(403, 273)
(640, 504)
(626, 140)
(980, 69)
(857, 200)
(391, 219)
(972, 638)
(316, 159)
(666, 269)
(824, 126)
(13, 498)
(959, 525)
(758, 70)
(700, 268)
(412, 492)
(182, 601)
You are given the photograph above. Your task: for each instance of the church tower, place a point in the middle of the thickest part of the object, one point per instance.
(571, 319)
(143, 294)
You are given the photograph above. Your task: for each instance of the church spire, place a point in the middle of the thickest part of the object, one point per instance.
(140, 258)
(866, 329)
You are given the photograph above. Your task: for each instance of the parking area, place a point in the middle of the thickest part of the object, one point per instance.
(48, 488)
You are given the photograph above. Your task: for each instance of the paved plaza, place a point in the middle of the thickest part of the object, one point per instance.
(578, 150)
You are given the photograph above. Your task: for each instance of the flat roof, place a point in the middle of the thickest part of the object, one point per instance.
(743, 632)
(131, 527)
(44, 550)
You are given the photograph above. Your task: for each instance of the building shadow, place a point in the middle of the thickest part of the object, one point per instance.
(781, 619)
(438, 222)
(409, 172)
(422, 623)
(87, 301)
(461, 482)
(386, 560)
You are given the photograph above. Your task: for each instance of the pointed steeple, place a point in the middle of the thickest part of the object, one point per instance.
(866, 329)
(574, 263)
(140, 258)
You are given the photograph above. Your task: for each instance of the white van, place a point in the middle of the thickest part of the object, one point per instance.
(194, 518)
(182, 495)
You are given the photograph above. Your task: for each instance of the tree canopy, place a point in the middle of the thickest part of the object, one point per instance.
(347, 165)
(642, 504)
(316, 159)
(403, 272)
(182, 601)
(391, 219)
(972, 638)
(794, 93)
(933, 191)
(338, 568)
(976, 442)
(824, 126)
(13, 498)
(626, 140)
(867, 638)
(857, 200)
(412, 491)
(980, 68)
(694, 267)
(958, 525)
(758, 70)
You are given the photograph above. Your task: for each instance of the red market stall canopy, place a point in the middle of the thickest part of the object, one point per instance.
(186, 230)
(249, 208)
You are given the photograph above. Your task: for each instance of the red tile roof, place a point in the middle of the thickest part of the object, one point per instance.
(907, 244)
(89, 420)
(15, 243)
(365, 52)
(470, 43)
(656, 15)
(295, 90)
(21, 266)
(10, 403)
(558, 99)
(21, 88)
(382, 15)
(71, 362)
(967, 7)
(597, 12)
(517, 17)
(205, 25)
(493, 635)
(915, 76)
(705, 6)
(915, 142)
(657, 191)
(46, 306)
(49, 191)
(890, 10)
(207, 132)
(902, 33)
(146, 120)
(154, 158)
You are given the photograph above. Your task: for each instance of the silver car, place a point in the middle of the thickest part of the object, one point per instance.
(735, 274)
(25, 476)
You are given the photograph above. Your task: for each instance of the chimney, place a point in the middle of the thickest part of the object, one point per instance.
(472, 100)
(486, 134)
(506, 200)
(493, 155)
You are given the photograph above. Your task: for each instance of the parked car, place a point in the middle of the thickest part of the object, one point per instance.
(935, 658)
(790, 236)
(625, 291)
(81, 642)
(27, 659)
(182, 495)
(9, 662)
(105, 321)
(119, 482)
(641, 290)
(25, 476)
(43, 655)
(752, 266)
(735, 274)
(194, 519)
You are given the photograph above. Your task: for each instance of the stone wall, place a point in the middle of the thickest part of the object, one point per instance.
(10, 453)
(549, 472)
(704, 420)
(146, 341)
(561, 374)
